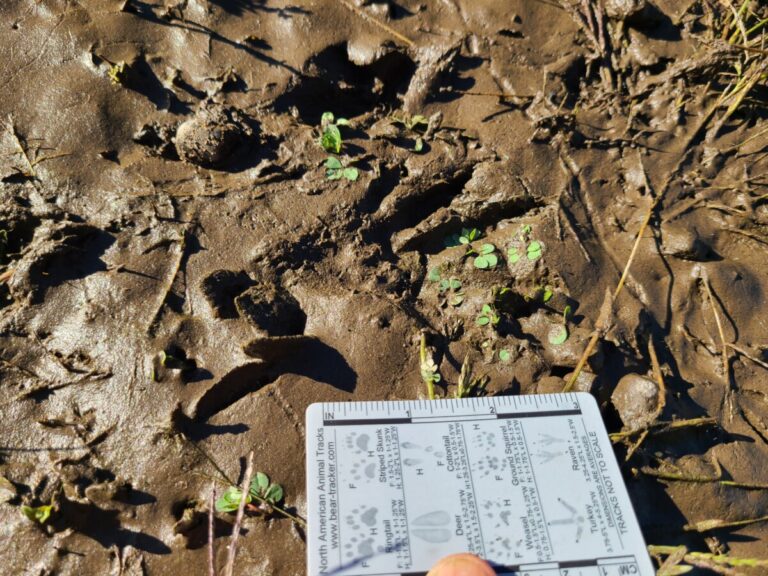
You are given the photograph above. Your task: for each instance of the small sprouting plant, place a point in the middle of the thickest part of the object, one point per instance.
(39, 514)
(504, 355)
(486, 257)
(449, 288)
(330, 135)
(561, 335)
(487, 316)
(470, 385)
(533, 252)
(116, 73)
(466, 237)
(412, 124)
(334, 170)
(533, 249)
(428, 368)
(267, 493)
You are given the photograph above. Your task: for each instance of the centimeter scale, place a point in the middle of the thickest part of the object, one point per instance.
(530, 483)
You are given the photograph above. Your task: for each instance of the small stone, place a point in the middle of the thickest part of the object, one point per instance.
(624, 9)
(684, 242)
(636, 399)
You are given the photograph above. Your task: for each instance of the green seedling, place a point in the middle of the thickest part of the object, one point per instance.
(428, 368)
(412, 124)
(39, 514)
(559, 337)
(117, 73)
(533, 252)
(451, 289)
(334, 170)
(504, 355)
(485, 257)
(546, 296)
(487, 316)
(262, 490)
(434, 274)
(330, 135)
(466, 237)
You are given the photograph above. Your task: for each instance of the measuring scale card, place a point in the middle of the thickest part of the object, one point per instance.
(530, 483)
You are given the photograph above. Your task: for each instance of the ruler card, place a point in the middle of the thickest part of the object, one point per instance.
(530, 483)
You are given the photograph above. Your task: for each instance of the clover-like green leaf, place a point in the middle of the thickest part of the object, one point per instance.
(273, 494)
(230, 500)
(351, 174)
(534, 250)
(504, 355)
(482, 320)
(455, 283)
(331, 139)
(333, 163)
(260, 482)
(560, 336)
(434, 274)
(457, 299)
(486, 248)
(513, 255)
(39, 514)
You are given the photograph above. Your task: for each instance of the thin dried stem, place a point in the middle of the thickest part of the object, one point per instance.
(211, 535)
(244, 489)
(723, 342)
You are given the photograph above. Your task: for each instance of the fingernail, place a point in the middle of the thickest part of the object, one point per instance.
(462, 565)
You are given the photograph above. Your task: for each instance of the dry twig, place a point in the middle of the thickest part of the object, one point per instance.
(245, 490)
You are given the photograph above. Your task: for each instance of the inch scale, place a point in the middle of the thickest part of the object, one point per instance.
(530, 483)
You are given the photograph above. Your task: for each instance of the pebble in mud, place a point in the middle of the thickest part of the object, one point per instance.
(624, 9)
(211, 136)
(636, 399)
(684, 242)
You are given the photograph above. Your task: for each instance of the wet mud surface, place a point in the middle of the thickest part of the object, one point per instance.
(163, 192)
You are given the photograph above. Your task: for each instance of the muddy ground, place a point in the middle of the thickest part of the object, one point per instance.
(162, 191)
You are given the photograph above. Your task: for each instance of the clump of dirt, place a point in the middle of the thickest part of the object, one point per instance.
(561, 195)
(211, 135)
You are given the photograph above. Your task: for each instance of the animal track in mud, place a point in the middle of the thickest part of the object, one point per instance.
(276, 355)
